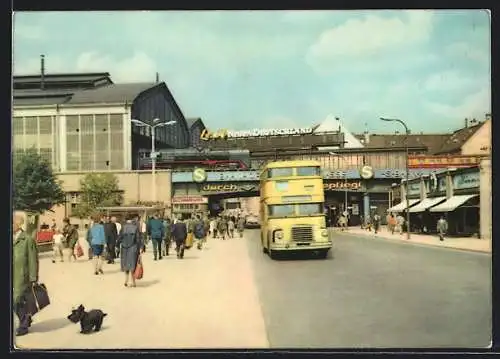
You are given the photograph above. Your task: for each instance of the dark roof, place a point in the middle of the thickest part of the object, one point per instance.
(115, 93)
(457, 139)
(192, 121)
(62, 81)
(432, 142)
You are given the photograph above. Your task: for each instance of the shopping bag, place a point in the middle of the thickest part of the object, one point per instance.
(139, 269)
(189, 241)
(37, 298)
(79, 250)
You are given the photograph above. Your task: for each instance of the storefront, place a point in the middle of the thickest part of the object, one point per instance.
(452, 194)
(461, 207)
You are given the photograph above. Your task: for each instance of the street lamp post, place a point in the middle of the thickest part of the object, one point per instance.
(153, 147)
(407, 131)
(345, 181)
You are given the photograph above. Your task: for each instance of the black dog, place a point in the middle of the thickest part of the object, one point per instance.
(88, 320)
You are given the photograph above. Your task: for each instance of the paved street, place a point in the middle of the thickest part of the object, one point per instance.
(376, 293)
(372, 293)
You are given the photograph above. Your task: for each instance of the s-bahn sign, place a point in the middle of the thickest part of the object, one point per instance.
(254, 175)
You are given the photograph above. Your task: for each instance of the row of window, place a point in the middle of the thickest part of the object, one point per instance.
(347, 161)
(302, 209)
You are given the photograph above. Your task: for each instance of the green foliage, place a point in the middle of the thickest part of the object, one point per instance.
(98, 190)
(35, 188)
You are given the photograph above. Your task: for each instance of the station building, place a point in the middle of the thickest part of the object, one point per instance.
(81, 123)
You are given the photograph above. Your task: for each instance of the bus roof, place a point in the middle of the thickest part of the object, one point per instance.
(298, 163)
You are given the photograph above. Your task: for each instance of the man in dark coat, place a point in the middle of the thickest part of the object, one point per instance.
(156, 230)
(111, 234)
(179, 232)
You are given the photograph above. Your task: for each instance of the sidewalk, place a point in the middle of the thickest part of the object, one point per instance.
(207, 300)
(463, 243)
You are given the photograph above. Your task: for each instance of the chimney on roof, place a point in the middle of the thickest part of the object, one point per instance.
(157, 77)
(42, 72)
(466, 122)
(366, 134)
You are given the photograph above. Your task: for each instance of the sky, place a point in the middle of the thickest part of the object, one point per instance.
(272, 69)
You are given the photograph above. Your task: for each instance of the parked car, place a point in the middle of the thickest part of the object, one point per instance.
(252, 221)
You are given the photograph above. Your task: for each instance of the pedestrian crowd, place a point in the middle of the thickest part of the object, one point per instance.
(110, 239)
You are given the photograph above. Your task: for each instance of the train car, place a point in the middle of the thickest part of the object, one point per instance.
(190, 157)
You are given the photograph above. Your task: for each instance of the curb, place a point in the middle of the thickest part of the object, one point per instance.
(417, 243)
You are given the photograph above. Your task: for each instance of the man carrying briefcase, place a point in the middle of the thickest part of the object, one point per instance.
(25, 272)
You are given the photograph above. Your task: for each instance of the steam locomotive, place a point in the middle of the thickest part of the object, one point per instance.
(189, 157)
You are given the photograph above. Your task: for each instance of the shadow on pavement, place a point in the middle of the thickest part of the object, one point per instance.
(300, 256)
(50, 325)
(147, 283)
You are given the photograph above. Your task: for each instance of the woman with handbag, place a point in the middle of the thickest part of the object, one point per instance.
(130, 250)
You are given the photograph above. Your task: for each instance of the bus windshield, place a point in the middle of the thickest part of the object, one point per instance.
(290, 172)
(307, 209)
(308, 171)
(300, 209)
(280, 172)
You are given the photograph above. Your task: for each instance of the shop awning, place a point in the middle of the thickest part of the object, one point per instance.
(427, 203)
(402, 206)
(452, 203)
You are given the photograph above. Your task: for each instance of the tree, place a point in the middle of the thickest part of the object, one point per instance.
(35, 188)
(98, 190)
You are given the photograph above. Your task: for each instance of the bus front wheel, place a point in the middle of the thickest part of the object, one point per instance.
(264, 249)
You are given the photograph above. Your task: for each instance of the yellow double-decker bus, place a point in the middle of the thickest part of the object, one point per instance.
(292, 208)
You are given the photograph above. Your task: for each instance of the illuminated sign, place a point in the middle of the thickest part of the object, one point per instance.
(207, 135)
(342, 186)
(199, 175)
(223, 134)
(230, 187)
(189, 200)
(442, 161)
(253, 175)
(366, 172)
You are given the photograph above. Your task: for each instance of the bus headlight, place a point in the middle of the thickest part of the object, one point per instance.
(278, 234)
(324, 233)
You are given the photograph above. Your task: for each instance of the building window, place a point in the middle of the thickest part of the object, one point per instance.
(36, 133)
(95, 142)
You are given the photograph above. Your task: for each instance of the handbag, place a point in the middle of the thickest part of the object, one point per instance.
(139, 269)
(79, 250)
(189, 241)
(37, 298)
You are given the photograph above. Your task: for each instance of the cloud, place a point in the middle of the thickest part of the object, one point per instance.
(452, 80)
(31, 66)
(28, 32)
(468, 51)
(475, 105)
(137, 68)
(371, 35)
